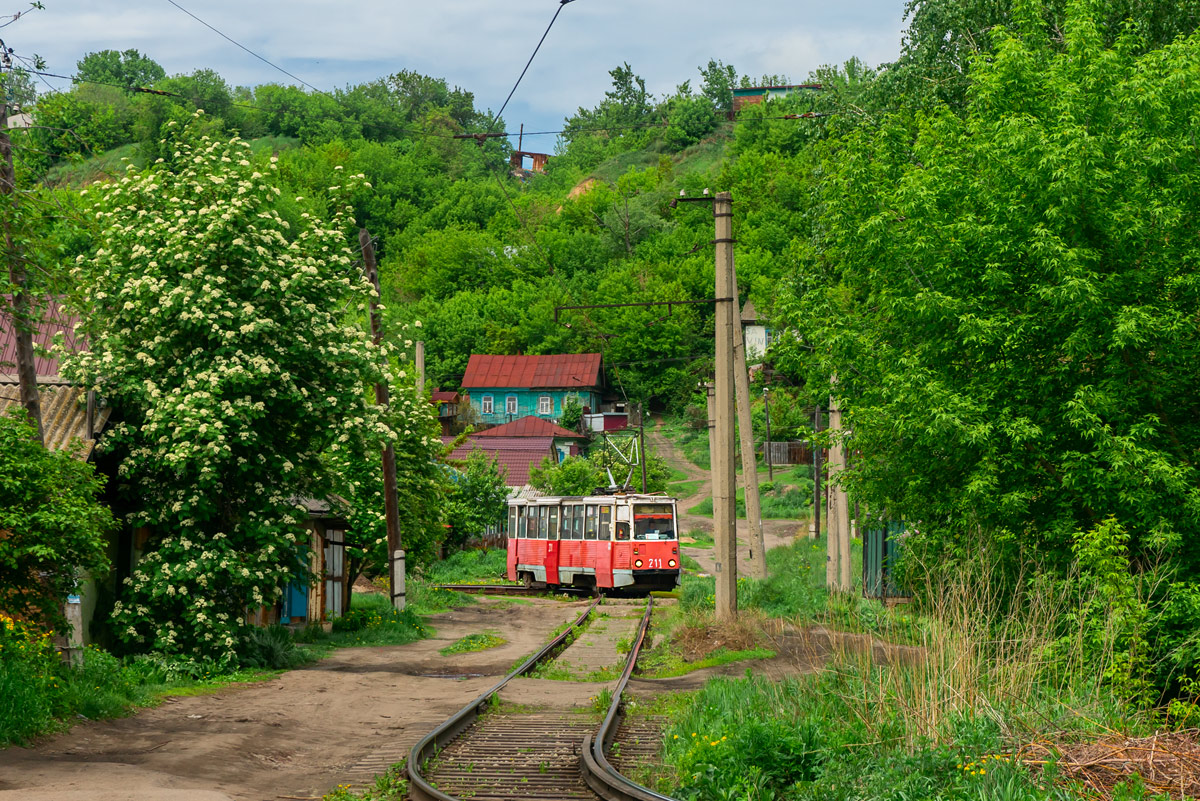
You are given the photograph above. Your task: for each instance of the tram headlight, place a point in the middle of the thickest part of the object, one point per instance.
(671, 563)
(637, 562)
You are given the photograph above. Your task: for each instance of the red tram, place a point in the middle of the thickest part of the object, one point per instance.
(623, 542)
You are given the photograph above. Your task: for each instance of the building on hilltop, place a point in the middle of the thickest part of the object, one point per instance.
(753, 95)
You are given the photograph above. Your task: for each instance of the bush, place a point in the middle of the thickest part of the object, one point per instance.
(271, 648)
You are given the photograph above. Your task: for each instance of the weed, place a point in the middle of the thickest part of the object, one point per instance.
(473, 642)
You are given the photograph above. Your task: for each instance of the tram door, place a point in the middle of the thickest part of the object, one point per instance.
(604, 548)
(513, 529)
(548, 531)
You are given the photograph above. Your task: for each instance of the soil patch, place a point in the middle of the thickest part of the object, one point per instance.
(297, 735)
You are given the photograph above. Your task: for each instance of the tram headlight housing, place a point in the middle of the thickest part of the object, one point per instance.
(671, 563)
(637, 562)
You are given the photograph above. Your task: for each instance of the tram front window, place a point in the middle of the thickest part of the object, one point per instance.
(653, 522)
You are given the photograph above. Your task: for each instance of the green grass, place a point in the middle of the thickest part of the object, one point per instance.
(372, 621)
(703, 539)
(391, 785)
(684, 489)
(777, 503)
(667, 663)
(470, 567)
(480, 641)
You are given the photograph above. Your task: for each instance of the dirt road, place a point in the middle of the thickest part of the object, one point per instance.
(294, 737)
(775, 532)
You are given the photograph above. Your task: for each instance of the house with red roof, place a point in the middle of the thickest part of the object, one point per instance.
(522, 445)
(503, 389)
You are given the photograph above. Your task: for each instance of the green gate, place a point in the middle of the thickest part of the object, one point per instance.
(881, 549)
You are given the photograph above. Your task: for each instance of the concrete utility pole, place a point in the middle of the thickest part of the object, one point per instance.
(818, 497)
(837, 525)
(758, 547)
(21, 310)
(420, 360)
(724, 479)
(391, 501)
(642, 441)
(767, 445)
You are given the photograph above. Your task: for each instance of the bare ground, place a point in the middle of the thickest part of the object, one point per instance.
(295, 736)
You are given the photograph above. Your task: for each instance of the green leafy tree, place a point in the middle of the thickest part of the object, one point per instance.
(1006, 299)
(421, 485)
(476, 499)
(219, 332)
(52, 525)
(572, 413)
(717, 82)
(127, 69)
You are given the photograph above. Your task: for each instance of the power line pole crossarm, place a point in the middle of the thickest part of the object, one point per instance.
(391, 500)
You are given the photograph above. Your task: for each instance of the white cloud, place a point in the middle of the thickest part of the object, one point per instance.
(480, 45)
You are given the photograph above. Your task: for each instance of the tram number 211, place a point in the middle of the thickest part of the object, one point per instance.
(654, 563)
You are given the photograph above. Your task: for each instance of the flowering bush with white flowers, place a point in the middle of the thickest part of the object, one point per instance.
(226, 341)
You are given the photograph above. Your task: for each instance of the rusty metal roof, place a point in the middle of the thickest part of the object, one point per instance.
(443, 395)
(64, 416)
(550, 371)
(530, 426)
(514, 463)
(54, 320)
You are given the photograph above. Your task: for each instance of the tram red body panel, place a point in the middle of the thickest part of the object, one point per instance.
(623, 541)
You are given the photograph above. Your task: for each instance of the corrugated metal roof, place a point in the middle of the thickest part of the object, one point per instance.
(514, 464)
(449, 397)
(54, 320)
(64, 416)
(529, 426)
(550, 371)
(514, 443)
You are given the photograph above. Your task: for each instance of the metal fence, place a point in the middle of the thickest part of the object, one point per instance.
(785, 453)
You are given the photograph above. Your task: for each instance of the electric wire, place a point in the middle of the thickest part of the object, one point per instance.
(236, 43)
(557, 11)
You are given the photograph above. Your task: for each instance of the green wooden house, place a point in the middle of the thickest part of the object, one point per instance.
(502, 389)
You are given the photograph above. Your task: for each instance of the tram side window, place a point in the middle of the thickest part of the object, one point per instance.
(605, 522)
(542, 510)
(589, 522)
(577, 524)
(531, 522)
(512, 522)
(622, 531)
(552, 528)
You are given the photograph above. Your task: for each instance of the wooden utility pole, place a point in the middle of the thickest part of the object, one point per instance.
(767, 445)
(724, 479)
(391, 500)
(21, 310)
(758, 546)
(837, 524)
(420, 360)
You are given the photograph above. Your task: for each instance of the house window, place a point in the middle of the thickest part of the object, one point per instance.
(485, 404)
(510, 404)
(545, 405)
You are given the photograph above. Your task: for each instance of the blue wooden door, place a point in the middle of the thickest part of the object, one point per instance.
(295, 603)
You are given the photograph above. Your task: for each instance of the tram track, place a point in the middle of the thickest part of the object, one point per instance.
(555, 756)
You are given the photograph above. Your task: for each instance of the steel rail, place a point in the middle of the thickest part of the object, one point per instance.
(419, 788)
(489, 589)
(598, 773)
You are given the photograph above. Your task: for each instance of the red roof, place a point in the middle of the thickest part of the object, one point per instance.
(553, 371)
(514, 463)
(53, 321)
(529, 426)
(448, 397)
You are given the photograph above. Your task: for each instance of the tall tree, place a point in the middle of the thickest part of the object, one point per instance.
(219, 331)
(127, 69)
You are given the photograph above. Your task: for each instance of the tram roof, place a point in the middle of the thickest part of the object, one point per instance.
(628, 496)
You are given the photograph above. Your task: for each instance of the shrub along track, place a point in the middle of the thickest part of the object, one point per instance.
(546, 756)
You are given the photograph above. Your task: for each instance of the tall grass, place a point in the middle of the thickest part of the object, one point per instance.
(938, 718)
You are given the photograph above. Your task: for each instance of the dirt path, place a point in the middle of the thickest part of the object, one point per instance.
(775, 532)
(296, 736)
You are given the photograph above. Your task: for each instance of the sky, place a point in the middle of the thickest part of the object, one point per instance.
(479, 45)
